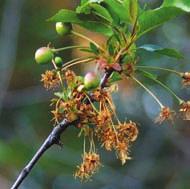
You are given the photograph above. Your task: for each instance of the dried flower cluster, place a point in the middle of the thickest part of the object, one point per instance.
(89, 101)
(165, 114)
(97, 115)
(90, 165)
(186, 79)
(50, 79)
(185, 110)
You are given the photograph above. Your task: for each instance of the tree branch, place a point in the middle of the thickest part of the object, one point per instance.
(53, 138)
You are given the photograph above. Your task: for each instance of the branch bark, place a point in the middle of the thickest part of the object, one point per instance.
(53, 138)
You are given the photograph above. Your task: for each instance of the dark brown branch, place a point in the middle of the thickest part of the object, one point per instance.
(53, 138)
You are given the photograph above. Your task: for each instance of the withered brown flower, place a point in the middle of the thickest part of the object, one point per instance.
(122, 151)
(86, 114)
(70, 76)
(165, 114)
(89, 166)
(128, 130)
(185, 110)
(186, 79)
(50, 79)
(64, 109)
(107, 137)
(57, 116)
(103, 118)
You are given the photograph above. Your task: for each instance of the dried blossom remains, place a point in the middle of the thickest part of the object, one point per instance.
(165, 115)
(86, 100)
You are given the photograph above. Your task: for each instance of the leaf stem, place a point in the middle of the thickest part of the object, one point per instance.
(75, 63)
(87, 38)
(74, 60)
(69, 47)
(159, 68)
(150, 92)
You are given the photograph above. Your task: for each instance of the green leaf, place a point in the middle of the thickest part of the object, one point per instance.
(65, 15)
(90, 24)
(98, 27)
(83, 2)
(61, 95)
(96, 1)
(112, 44)
(163, 51)
(151, 19)
(94, 48)
(148, 74)
(100, 10)
(84, 8)
(115, 77)
(111, 49)
(120, 9)
(133, 10)
(182, 4)
(86, 50)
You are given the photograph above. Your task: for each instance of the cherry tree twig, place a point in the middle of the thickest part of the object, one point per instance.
(53, 138)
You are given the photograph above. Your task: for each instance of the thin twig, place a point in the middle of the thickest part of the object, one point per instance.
(53, 138)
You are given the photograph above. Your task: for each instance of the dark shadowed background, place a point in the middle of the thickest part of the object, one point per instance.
(161, 155)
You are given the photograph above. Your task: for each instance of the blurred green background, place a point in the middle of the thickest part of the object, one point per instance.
(161, 155)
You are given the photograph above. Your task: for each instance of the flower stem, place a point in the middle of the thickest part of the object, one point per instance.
(159, 68)
(77, 59)
(69, 47)
(167, 88)
(94, 108)
(150, 92)
(86, 38)
(75, 63)
(59, 73)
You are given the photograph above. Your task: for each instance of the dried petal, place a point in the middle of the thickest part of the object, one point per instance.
(128, 130)
(165, 114)
(185, 110)
(90, 165)
(122, 152)
(186, 79)
(50, 79)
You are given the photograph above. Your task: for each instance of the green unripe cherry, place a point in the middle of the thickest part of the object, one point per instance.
(63, 28)
(44, 55)
(91, 81)
(58, 61)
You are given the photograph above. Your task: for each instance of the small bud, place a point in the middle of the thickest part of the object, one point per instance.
(91, 80)
(58, 61)
(80, 88)
(63, 28)
(44, 55)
